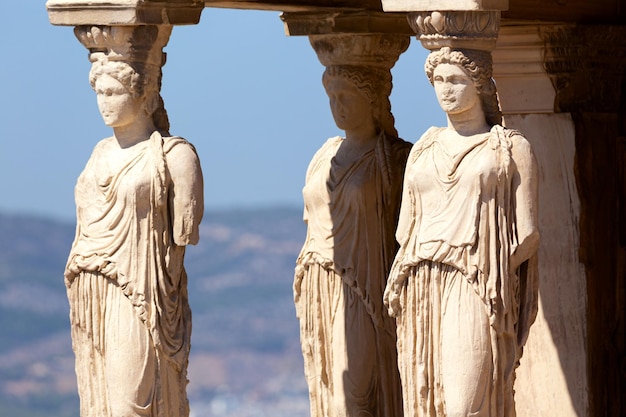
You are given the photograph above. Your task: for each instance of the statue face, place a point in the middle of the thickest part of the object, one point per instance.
(454, 89)
(117, 105)
(350, 107)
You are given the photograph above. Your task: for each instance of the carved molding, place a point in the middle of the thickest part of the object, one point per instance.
(456, 29)
(124, 12)
(374, 50)
(136, 44)
(587, 65)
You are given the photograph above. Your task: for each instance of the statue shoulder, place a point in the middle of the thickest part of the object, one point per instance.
(104, 144)
(180, 155)
(396, 148)
(519, 144)
(172, 142)
(327, 150)
(424, 142)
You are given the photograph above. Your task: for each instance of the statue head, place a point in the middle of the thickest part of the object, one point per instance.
(131, 56)
(374, 84)
(477, 65)
(142, 83)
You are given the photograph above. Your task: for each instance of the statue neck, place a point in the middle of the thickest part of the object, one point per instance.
(468, 123)
(363, 134)
(135, 132)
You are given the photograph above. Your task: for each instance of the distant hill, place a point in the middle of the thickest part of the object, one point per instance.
(245, 358)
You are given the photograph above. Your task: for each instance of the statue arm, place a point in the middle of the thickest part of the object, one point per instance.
(187, 196)
(406, 219)
(525, 184)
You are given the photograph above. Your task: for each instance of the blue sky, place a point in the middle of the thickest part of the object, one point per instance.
(247, 96)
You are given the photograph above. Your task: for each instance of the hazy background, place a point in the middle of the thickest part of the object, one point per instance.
(247, 96)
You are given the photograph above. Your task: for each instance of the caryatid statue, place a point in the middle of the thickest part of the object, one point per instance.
(463, 286)
(139, 202)
(352, 199)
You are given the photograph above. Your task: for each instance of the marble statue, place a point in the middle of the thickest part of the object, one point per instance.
(463, 286)
(352, 198)
(139, 203)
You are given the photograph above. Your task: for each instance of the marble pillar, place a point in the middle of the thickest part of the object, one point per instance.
(552, 377)
(587, 67)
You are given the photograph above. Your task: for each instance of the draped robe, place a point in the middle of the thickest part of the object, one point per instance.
(348, 339)
(463, 313)
(127, 287)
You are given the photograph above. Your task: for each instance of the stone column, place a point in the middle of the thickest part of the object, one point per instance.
(587, 66)
(552, 377)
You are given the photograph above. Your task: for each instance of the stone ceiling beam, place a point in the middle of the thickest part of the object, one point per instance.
(297, 5)
(124, 12)
(443, 5)
(355, 22)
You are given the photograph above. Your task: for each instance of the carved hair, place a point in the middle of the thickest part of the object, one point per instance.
(376, 85)
(477, 65)
(140, 80)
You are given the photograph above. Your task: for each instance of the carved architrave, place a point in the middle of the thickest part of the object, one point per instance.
(587, 65)
(456, 29)
(414, 5)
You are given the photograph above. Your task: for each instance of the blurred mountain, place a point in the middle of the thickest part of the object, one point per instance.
(245, 359)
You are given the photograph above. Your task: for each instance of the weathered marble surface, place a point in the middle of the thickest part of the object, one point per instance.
(463, 286)
(352, 198)
(139, 203)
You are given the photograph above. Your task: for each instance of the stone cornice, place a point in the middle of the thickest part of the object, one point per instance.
(124, 12)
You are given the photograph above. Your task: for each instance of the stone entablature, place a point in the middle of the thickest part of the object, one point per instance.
(124, 12)
(443, 5)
